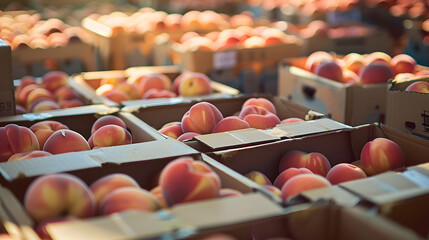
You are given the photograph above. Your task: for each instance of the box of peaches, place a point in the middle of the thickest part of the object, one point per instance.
(143, 85)
(118, 184)
(373, 166)
(352, 89)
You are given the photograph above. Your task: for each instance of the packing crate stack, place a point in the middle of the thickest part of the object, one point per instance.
(221, 120)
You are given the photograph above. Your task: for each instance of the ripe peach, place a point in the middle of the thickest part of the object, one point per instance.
(16, 139)
(315, 59)
(43, 105)
(229, 192)
(104, 89)
(38, 93)
(258, 117)
(194, 84)
(107, 184)
(381, 155)
(186, 180)
(258, 177)
(187, 136)
(54, 79)
(403, 63)
(378, 57)
(44, 129)
(23, 94)
(157, 192)
(110, 135)
(27, 155)
(424, 72)
(158, 93)
(344, 172)
(112, 80)
(229, 124)
(376, 73)
(155, 80)
(315, 161)
(315, 28)
(274, 190)
(254, 42)
(301, 183)
(173, 130)
(291, 120)
(105, 120)
(117, 96)
(65, 140)
(131, 89)
(218, 236)
(330, 70)
(5, 236)
(260, 102)
(65, 93)
(419, 86)
(71, 103)
(199, 44)
(226, 43)
(350, 77)
(201, 118)
(354, 62)
(60, 194)
(287, 174)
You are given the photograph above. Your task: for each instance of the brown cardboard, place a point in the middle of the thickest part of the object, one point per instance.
(7, 99)
(86, 83)
(408, 111)
(352, 105)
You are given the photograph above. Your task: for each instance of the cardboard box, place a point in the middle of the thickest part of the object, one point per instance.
(349, 104)
(88, 82)
(338, 146)
(156, 114)
(81, 119)
(143, 162)
(408, 111)
(7, 99)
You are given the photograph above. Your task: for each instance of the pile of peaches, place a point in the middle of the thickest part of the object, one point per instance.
(417, 9)
(310, 7)
(182, 180)
(29, 30)
(301, 171)
(154, 85)
(240, 37)
(358, 69)
(205, 118)
(52, 137)
(51, 93)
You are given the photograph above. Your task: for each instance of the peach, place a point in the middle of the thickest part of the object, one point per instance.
(106, 120)
(226, 43)
(5, 236)
(424, 72)
(287, 174)
(274, 36)
(187, 136)
(229, 192)
(316, 58)
(330, 70)
(199, 44)
(104, 89)
(194, 84)
(254, 42)
(25, 81)
(155, 80)
(186, 180)
(52, 80)
(44, 129)
(258, 177)
(258, 117)
(218, 236)
(314, 161)
(131, 89)
(112, 80)
(354, 62)
(173, 130)
(54, 195)
(418, 86)
(65, 93)
(110, 135)
(378, 57)
(403, 63)
(315, 28)
(381, 155)
(43, 105)
(27, 155)
(107, 184)
(117, 96)
(38, 93)
(301, 183)
(229, 124)
(344, 172)
(65, 140)
(274, 190)
(71, 103)
(23, 94)
(157, 192)
(260, 102)
(291, 120)
(350, 77)
(201, 118)
(42, 228)
(16, 139)
(158, 93)
(376, 73)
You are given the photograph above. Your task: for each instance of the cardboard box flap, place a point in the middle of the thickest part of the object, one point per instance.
(297, 129)
(94, 158)
(401, 86)
(225, 211)
(125, 225)
(335, 194)
(217, 141)
(387, 187)
(422, 168)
